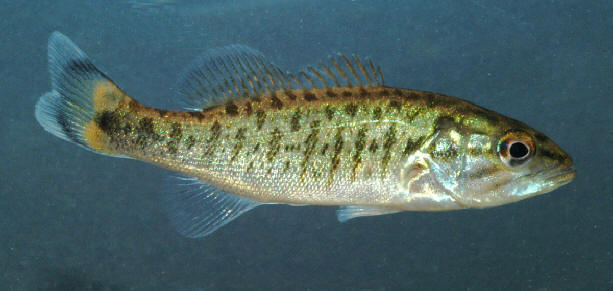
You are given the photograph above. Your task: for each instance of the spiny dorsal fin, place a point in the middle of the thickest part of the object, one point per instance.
(235, 72)
(339, 71)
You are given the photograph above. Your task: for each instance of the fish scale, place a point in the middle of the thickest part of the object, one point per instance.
(223, 137)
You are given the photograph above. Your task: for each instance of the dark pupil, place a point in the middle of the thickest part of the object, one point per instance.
(518, 150)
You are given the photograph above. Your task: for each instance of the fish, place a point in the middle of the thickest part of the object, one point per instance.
(333, 135)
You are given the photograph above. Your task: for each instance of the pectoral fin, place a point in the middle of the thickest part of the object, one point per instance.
(345, 213)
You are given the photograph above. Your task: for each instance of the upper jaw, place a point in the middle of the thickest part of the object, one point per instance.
(562, 177)
(554, 179)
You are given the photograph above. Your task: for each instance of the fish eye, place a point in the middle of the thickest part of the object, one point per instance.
(516, 148)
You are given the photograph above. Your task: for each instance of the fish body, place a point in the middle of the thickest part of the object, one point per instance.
(333, 135)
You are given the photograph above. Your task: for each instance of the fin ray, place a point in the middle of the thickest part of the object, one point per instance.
(68, 109)
(198, 209)
(345, 213)
(236, 71)
(231, 72)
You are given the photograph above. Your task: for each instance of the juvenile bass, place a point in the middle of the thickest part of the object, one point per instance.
(330, 135)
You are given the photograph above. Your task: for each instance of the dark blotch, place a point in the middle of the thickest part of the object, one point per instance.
(145, 126)
(360, 144)
(239, 137)
(331, 93)
(290, 95)
(189, 143)
(324, 149)
(274, 144)
(196, 114)
(172, 147)
(231, 109)
(215, 131)
(346, 94)
(374, 146)
(309, 146)
(412, 96)
(329, 112)
(351, 109)
(444, 122)
(412, 146)
(376, 113)
(390, 138)
(308, 96)
(540, 137)
(395, 104)
(363, 92)
(176, 131)
(295, 121)
(248, 108)
(276, 102)
(108, 122)
(551, 155)
(81, 66)
(338, 147)
(240, 134)
(261, 117)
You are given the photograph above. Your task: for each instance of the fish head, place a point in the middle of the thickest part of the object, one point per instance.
(484, 167)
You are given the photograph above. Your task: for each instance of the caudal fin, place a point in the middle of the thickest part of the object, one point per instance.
(79, 91)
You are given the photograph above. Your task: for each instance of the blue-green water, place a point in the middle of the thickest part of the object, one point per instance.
(71, 219)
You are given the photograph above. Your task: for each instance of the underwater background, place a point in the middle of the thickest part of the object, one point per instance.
(74, 220)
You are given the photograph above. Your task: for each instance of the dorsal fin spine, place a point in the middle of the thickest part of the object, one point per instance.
(306, 77)
(352, 70)
(381, 76)
(283, 79)
(357, 60)
(320, 77)
(237, 72)
(340, 71)
(374, 72)
(298, 83)
(329, 72)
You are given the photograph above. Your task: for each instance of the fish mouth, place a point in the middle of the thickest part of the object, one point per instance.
(562, 177)
(556, 179)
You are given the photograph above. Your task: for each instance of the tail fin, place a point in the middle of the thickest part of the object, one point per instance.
(79, 92)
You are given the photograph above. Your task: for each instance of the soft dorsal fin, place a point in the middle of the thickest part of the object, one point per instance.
(236, 71)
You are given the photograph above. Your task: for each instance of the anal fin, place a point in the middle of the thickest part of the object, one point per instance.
(345, 213)
(198, 209)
